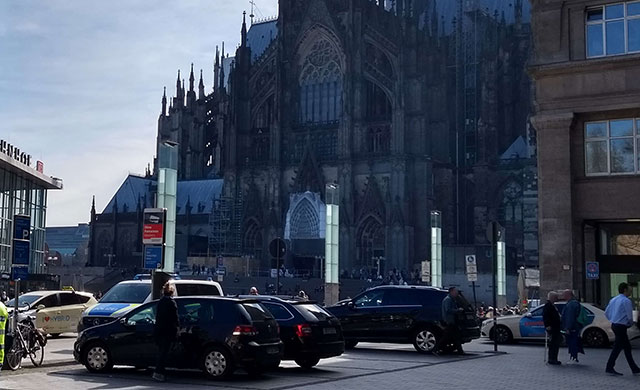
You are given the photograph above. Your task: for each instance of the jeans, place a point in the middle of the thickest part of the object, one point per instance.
(555, 337)
(621, 343)
(163, 352)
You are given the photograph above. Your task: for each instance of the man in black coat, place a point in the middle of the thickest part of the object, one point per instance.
(553, 325)
(166, 328)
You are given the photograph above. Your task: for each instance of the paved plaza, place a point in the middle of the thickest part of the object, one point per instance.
(369, 366)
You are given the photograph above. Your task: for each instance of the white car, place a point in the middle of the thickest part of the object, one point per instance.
(531, 327)
(127, 295)
(56, 311)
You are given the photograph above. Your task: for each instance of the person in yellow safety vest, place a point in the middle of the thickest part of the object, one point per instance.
(4, 315)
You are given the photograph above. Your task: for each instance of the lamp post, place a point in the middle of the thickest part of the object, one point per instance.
(436, 248)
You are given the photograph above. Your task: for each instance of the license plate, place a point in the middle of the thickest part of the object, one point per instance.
(273, 350)
(329, 331)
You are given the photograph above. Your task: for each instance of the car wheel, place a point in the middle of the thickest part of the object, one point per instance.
(425, 340)
(96, 358)
(350, 344)
(217, 363)
(503, 335)
(595, 337)
(307, 361)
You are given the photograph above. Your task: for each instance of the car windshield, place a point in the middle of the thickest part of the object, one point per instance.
(24, 300)
(313, 312)
(127, 293)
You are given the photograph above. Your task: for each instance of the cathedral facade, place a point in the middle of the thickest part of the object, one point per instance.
(394, 101)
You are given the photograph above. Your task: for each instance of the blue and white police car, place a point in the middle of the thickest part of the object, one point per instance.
(530, 326)
(129, 294)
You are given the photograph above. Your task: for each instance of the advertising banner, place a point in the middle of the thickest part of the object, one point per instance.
(153, 227)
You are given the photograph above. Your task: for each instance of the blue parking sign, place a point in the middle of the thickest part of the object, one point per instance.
(593, 270)
(21, 273)
(152, 256)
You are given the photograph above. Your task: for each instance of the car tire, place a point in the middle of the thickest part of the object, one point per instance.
(350, 344)
(595, 337)
(425, 339)
(307, 362)
(97, 358)
(217, 363)
(502, 334)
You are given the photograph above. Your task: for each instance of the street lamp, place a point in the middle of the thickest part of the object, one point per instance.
(332, 249)
(436, 248)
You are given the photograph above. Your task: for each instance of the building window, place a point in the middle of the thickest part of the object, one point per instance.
(613, 29)
(612, 147)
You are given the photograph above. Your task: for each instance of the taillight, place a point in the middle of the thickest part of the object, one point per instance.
(303, 330)
(245, 330)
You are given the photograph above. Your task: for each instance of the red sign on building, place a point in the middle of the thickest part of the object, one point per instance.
(153, 227)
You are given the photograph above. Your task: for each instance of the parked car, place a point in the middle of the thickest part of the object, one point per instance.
(530, 326)
(56, 311)
(308, 331)
(126, 295)
(401, 314)
(216, 335)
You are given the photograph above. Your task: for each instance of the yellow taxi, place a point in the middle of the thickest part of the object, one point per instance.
(56, 311)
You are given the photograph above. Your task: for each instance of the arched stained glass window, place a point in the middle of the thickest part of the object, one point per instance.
(305, 223)
(321, 84)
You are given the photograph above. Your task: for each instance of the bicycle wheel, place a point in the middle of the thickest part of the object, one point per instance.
(36, 354)
(14, 355)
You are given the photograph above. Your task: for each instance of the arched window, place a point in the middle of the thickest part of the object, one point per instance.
(305, 223)
(252, 241)
(511, 208)
(378, 116)
(371, 242)
(321, 84)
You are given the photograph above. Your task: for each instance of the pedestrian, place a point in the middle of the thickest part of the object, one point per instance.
(253, 291)
(451, 333)
(3, 297)
(553, 326)
(4, 315)
(572, 327)
(166, 329)
(620, 312)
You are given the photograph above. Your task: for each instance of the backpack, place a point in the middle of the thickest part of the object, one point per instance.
(583, 317)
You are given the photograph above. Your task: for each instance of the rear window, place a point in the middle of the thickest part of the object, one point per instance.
(257, 311)
(279, 312)
(313, 312)
(127, 293)
(191, 290)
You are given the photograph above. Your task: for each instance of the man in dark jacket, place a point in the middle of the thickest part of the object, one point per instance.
(553, 325)
(450, 310)
(166, 328)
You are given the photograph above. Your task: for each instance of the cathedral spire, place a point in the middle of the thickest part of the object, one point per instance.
(216, 70)
(191, 79)
(178, 86)
(164, 102)
(221, 84)
(243, 43)
(201, 87)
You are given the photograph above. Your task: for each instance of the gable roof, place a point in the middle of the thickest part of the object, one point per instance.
(518, 149)
(199, 194)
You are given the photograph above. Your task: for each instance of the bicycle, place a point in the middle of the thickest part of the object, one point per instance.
(27, 341)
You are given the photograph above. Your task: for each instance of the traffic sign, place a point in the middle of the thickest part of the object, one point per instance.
(593, 270)
(277, 248)
(472, 277)
(221, 271)
(22, 227)
(426, 271)
(21, 252)
(153, 227)
(21, 273)
(472, 269)
(152, 257)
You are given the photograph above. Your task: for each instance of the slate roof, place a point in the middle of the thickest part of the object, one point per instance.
(260, 36)
(66, 239)
(200, 194)
(518, 149)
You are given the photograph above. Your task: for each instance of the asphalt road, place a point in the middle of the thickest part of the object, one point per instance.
(369, 366)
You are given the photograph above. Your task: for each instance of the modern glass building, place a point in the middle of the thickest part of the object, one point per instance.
(23, 191)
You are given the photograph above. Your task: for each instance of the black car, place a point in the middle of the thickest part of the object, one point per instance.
(401, 314)
(309, 332)
(216, 335)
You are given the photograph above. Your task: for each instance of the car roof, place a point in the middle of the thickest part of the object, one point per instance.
(218, 298)
(279, 298)
(49, 292)
(421, 288)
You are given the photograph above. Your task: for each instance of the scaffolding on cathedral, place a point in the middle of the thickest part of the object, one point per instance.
(225, 227)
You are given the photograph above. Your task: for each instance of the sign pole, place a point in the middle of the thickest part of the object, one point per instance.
(475, 302)
(14, 325)
(278, 268)
(494, 258)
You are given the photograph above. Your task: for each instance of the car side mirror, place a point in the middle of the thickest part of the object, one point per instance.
(40, 307)
(351, 305)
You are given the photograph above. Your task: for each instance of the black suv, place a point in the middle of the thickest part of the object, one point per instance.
(309, 332)
(401, 314)
(216, 335)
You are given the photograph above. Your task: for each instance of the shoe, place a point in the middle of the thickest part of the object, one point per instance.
(613, 372)
(158, 377)
(554, 363)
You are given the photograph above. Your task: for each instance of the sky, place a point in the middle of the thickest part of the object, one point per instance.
(81, 83)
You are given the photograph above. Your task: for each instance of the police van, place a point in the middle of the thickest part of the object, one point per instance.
(127, 295)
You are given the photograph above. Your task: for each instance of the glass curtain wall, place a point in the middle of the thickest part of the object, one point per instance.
(19, 195)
